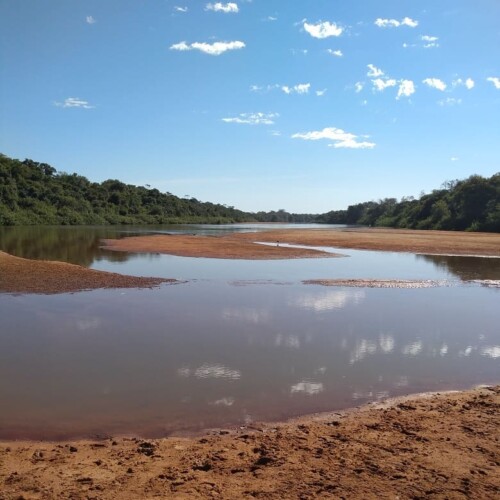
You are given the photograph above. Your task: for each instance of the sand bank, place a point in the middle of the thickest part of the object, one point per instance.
(367, 283)
(215, 247)
(395, 240)
(441, 446)
(19, 275)
(243, 246)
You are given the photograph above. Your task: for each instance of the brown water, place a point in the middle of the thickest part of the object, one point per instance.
(234, 345)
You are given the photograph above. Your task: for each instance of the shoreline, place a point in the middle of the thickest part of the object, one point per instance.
(19, 275)
(442, 443)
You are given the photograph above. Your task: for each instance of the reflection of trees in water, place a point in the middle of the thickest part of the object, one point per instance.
(77, 245)
(466, 268)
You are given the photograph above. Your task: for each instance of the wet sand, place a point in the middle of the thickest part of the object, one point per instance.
(243, 246)
(18, 275)
(434, 446)
(364, 283)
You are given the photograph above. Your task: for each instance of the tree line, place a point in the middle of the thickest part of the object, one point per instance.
(33, 193)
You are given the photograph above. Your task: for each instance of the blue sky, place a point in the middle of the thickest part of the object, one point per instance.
(306, 105)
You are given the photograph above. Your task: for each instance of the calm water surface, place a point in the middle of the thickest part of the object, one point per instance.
(241, 341)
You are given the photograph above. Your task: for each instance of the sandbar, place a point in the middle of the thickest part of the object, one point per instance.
(215, 247)
(246, 246)
(433, 446)
(18, 275)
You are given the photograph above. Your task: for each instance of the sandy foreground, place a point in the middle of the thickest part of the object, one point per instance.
(18, 275)
(244, 246)
(435, 446)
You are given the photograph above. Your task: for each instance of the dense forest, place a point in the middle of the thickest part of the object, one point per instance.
(33, 193)
(472, 204)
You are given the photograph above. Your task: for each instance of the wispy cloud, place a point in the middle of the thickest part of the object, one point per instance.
(253, 118)
(435, 83)
(406, 88)
(270, 18)
(213, 49)
(394, 23)
(430, 42)
(373, 71)
(324, 29)
(177, 8)
(338, 137)
(450, 101)
(358, 87)
(227, 8)
(90, 20)
(301, 88)
(321, 93)
(336, 53)
(74, 102)
(494, 80)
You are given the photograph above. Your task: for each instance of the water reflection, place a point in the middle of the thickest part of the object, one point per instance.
(466, 268)
(147, 361)
(329, 299)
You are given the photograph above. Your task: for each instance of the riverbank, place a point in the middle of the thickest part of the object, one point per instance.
(244, 246)
(18, 275)
(441, 446)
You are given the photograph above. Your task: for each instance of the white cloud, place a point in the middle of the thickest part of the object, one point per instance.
(90, 20)
(454, 158)
(301, 88)
(323, 29)
(340, 138)
(406, 89)
(270, 18)
(435, 83)
(450, 101)
(227, 8)
(494, 80)
(469, 83)
(336, 53)
(373, 71)
(213, 49)
(253, 118)
(74, 102)
(394, 23)
(430, 42)
(320, 93)
(381, 84)
(180, 9)
(358, 87)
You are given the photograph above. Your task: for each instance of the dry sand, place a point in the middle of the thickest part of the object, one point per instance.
(19, 275)
(441, 446)
(396, 240)
(243, 246)
(215, 247)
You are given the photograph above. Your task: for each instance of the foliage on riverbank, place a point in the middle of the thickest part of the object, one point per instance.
(34, 193)
(472, 204)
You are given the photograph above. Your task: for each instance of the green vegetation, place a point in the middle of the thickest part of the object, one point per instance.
(34, 193)
(472, 204)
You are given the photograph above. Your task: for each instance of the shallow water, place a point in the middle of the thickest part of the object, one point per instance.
(241, 341)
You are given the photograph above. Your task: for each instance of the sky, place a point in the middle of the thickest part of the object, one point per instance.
(303, 105)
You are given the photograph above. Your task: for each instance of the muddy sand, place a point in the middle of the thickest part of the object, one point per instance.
(435, 446)
(18, 275)
(244, 246)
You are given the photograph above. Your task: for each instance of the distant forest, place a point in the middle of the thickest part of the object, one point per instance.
(33, 193)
